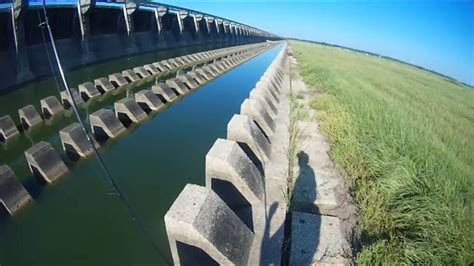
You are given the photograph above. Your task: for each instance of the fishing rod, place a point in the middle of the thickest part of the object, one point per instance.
(131, 213)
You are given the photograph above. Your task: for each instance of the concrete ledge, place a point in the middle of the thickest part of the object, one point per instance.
(88, 91)
(141, 72)
(8, 128)
(67, 102)
(257, 113)
(214, 69)
(127, 108)
(117, 80)
(148, 101)
(51, 106)
(310, 245)
(103, 85)
(130, 76)
(242, 129)
(29, 117)
(186, 79)
(13, 196)
(152, 69)
(44, 162)
(174, 63)
(164, 92)
(275, 85)
(236, 179)
(74, 141)
(202, 230)
(105, 123)
(177, 85)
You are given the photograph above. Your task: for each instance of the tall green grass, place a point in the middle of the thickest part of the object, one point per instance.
(406, 139)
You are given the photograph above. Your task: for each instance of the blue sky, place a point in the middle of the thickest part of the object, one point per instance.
(437, 35)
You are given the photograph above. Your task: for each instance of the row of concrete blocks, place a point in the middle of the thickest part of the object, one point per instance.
(213, 224)
(51, 106)
(45, 163)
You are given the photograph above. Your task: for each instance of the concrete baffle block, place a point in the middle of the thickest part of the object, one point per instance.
(104, 85)
(161, 66)
(74, 140)
(50, 106)
(197, 77)
(128, 109)
(130, 75)
(204, 73)
(164, 92)
(44, 162)
(263, 85)
(88, 91)
(177, 85)
(105, 123)
(210, 70)
(148, 100)
(13, 196)
(264, 100)
(29, 117)
(236, 179)
(186, 79)
(66, 100)
(141, 72)
(203, 230)
(8, 128)
(117, 80)
(255, 111)
(242, 129)
(152, 69)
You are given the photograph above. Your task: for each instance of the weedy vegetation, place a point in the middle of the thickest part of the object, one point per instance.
(406, 139)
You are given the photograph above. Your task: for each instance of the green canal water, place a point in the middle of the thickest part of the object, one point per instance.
(79, 220)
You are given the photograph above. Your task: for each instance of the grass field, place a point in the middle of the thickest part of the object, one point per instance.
(406, 139)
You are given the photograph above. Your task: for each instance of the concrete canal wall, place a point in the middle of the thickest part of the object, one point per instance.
(45, 162)
(227, 222)
(88, 31)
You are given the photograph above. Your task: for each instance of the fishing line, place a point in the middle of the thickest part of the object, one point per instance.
(132, 215)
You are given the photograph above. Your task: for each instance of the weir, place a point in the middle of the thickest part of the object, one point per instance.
(148, 101)
(29, 117)
(102, 126)
(164, 91)
(45, 163)
(8, 129)
(51, 106)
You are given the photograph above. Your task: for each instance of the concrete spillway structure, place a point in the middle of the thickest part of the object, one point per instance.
(103, 85)
(141, 72)
(75, 142)
(13, 196)
(29, 117)
(117, 80)
(255, 111)
(264, 100)
(148, 101)
(88, 91)
(105, 124)
(197, 77)
(8, 128)
(203, 230)
(51, 106)
(45, 163)
(242, 129)
(177, 85)
(151, 69)
(130, 75)
(186, 79)
(236, 179)
(67, 101)
(160, 66)
(164, 92)
(128, 110)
